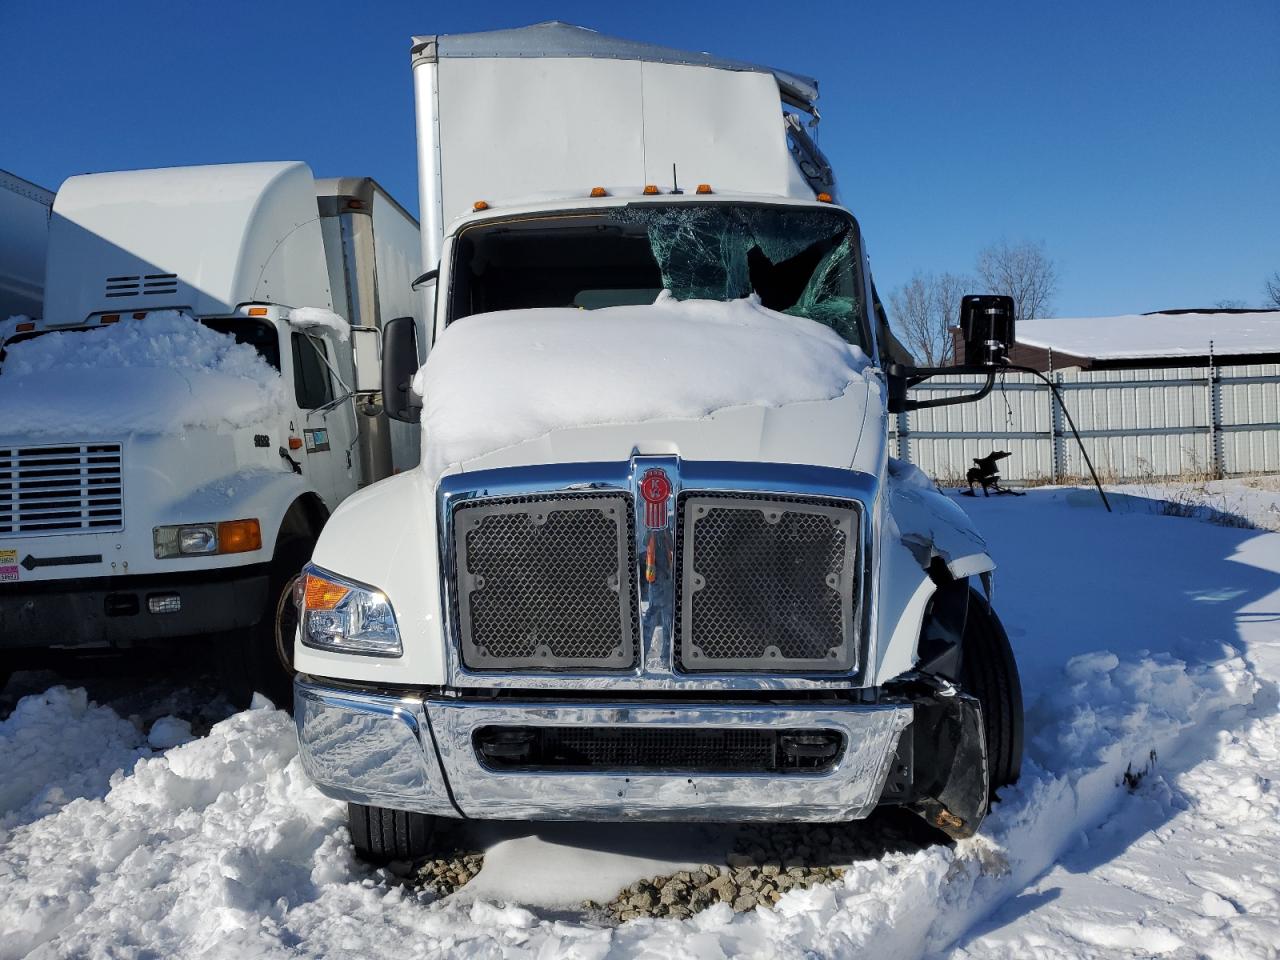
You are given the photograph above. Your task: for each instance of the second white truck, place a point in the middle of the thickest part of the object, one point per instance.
(180, 423)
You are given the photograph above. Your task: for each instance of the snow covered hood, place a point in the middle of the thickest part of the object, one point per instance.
(162, 375)
(497, 380)
(1156, 334)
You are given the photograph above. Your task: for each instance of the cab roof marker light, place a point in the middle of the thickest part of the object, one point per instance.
(599, 192)
(650, 190)
(703, 188)
(480, 205)
(140, 315)
(825, 198)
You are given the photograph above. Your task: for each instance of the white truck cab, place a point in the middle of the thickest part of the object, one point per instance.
(656, 561)
(180, 422)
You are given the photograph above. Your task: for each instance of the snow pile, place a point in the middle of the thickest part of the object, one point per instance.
(320, 317)
(497, 379)
(161, 375)
(57, 746)
(1156, 335)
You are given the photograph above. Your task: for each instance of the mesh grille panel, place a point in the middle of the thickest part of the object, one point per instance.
(767, 584)
(545, 583)
(619, 749)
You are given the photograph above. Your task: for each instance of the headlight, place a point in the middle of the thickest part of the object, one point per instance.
(345, 617)
(202, 539)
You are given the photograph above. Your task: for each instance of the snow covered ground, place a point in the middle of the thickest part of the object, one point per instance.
(1147, 821)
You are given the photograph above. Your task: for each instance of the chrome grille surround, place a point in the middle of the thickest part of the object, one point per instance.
(767, 583)
(657, 666)
(545, 582)
(61, 488)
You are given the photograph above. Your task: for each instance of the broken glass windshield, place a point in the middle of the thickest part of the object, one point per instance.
(798, 260)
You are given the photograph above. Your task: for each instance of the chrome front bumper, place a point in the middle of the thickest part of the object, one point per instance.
(416, 753)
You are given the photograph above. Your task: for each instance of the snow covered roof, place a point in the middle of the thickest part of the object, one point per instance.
(1171, 334)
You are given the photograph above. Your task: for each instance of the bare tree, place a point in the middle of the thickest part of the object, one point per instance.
(1272, 287)
(924, 310)
(1020, 270)
(1230, 304)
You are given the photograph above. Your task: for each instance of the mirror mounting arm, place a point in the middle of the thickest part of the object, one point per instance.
(903, 378)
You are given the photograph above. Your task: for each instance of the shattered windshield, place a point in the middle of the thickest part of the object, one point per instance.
(797, 260)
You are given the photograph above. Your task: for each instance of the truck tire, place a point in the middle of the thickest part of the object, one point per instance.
(252, 664)
(381, 836)
(989, 672)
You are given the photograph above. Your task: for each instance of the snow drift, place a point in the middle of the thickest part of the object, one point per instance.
(161, 375)
(496, 379)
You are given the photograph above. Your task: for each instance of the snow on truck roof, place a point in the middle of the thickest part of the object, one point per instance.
(555, 38)
(1167, 334)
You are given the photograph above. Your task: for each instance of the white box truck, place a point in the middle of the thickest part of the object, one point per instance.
(656, 561)
(24, 236)
(180, 423)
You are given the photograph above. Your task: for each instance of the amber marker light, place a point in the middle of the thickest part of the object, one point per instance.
(295, 443)
(321, 594)
(825, 198)
(257, 311)
(239, 536)
(25, 327)
(650, 190)
(599, 192)
(480, 205)
(703, 188)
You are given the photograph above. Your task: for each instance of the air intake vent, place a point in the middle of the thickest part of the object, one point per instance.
(150, 284)
(60, 489)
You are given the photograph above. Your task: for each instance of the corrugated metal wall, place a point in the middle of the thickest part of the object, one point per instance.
(1136, 424)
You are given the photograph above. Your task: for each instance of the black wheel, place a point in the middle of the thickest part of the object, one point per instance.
(989, 672)
(381, 835)
(255, 662)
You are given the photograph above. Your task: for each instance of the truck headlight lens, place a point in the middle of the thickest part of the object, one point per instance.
(346, 617)
(202, 539)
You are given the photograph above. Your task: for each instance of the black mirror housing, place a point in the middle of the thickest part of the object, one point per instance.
(399, 364)
(987, 323)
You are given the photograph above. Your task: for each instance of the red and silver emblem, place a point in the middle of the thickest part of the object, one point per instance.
(655, 488)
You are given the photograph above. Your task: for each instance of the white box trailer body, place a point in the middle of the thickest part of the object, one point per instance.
(24, 237)
(254, 251)
(656, 561)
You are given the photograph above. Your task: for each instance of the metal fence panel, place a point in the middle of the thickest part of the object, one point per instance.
(1136, 424)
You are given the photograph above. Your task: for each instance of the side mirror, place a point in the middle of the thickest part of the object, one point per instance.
(366, 354)
(987, 323)
(399, 364)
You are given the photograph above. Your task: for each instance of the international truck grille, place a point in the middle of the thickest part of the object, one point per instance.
(767, 584)
(150, 284)
(60, 489)
(653, 749)
(546, 583)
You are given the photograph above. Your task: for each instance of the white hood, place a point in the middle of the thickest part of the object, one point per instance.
(699, 379)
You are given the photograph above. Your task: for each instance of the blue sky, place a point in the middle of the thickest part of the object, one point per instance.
(1140, 141)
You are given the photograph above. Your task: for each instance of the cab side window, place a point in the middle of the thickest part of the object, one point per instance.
(312, 385)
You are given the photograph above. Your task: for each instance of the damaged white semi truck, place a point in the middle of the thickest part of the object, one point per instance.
(179, 423)
(656, 562)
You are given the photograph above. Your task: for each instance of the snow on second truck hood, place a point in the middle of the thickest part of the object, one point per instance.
(496, 379)
(161, 375)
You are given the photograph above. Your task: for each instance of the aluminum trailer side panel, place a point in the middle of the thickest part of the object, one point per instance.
(24, 238)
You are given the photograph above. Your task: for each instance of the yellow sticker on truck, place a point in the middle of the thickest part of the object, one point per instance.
(8, 566)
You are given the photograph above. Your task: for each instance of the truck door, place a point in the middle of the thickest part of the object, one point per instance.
(327, 426)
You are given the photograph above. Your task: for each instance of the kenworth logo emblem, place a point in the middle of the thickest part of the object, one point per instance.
(655, 487)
